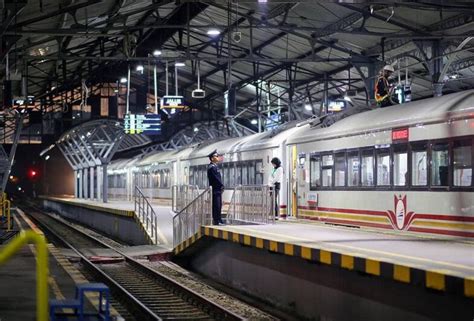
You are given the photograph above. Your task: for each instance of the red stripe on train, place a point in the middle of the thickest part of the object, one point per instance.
(379, 213)
(445, 232)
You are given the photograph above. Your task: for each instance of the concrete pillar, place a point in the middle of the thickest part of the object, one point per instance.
(91, 175)
(105, 183)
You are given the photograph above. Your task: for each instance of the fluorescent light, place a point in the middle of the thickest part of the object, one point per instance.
(262, 1)
(308, 107)
(140, 68)
(347, 98)
(46, 157)
(213, 32)
(157, 53)
(196, 129)
(254, 122)
(179, 64)
(123, 80)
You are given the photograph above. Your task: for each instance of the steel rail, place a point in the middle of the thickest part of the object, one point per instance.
(203, 303)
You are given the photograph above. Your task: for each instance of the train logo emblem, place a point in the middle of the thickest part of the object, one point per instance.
(400, 218)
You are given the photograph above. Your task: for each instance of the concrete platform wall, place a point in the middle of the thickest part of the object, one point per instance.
(118, 227)
(321, 292)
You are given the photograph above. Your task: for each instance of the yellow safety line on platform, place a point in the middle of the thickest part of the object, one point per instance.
(353, 248)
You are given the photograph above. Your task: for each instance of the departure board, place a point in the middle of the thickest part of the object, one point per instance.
(149, 124)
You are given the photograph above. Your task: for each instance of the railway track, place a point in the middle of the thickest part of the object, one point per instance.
(146, 293)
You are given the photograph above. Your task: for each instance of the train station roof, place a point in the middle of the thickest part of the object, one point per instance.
(276, 54)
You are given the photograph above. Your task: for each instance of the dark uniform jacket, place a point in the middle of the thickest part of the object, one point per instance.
(382, 88)
(214, 177)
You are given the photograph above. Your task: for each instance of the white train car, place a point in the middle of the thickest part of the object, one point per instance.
(404, 168)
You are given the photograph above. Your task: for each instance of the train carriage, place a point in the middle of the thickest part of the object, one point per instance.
(404, 168)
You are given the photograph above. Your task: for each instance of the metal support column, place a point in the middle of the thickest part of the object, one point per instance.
(91, 181)
(76, 181)
(85, 186)
(80, 188)
(105, 183)
(98, 183)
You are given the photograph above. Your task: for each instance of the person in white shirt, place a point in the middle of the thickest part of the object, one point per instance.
(275, 179)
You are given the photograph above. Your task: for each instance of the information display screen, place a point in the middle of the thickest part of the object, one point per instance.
(149, 124)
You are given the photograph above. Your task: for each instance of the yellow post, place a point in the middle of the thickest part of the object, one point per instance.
(7, 213)
(42, 270)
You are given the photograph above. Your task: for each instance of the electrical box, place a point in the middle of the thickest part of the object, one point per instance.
(198, 93)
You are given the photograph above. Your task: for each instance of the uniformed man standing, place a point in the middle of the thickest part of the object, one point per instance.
(215, 180)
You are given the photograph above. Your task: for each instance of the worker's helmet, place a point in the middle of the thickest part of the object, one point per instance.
(388, 68)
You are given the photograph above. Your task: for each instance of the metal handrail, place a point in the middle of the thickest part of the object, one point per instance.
(42, 270)
(252, 204)
(194, 215)
(182, 195)
(146, 215)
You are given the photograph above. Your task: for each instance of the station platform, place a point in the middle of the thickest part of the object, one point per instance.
(18, 279)
(123, 209)
(435, 263)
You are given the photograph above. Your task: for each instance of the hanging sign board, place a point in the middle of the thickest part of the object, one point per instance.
(169, 102)
(149, 124)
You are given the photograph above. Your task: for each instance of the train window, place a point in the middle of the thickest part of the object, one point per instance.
(238, 174)
(419, 164)
(462, 163)
(191, 175)
(340, 170)
(252, 173)
(353, 169)
(315, 172)
(244, 174)
(259, 174)
(400, 165)
(439, 164)
(383, 167)
(367, 168)
(327, 164)
(225, 174)
(232, 175)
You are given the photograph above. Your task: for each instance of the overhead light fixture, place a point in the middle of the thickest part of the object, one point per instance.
(254, 122)
(308, 107)
(140, 68)
(179, 64)
(196, 129)
(47, 157)
(123, 80)
(213, 32)
(347, 98)
(115, 90)
(262, 1)
(157, 53)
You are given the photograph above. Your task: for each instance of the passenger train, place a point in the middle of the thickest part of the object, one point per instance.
(406, 168)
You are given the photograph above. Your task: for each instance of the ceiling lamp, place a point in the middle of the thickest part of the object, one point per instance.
(123, 80)
(213, 32)
(179, 64)
(157, 53)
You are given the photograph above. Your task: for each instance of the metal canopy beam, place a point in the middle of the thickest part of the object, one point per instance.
(92, 145)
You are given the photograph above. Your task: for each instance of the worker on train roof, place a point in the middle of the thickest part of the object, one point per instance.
(383, 90)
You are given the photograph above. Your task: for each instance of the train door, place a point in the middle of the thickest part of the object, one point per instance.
(301, 180)
(292, 182)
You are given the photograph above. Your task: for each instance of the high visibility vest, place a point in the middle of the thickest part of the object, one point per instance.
(379, 92)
